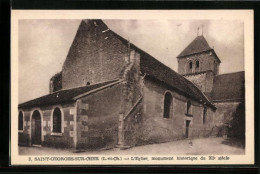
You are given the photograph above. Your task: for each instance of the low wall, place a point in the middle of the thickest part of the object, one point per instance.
(64, 140)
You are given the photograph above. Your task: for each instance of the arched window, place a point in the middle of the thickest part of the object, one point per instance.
(204, 114)
(56, 121)
(197, 64)
(188, 108)
(167, 105)
(20, 121)
(190, 65)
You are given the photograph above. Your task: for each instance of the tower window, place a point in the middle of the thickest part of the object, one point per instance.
(190, 65)
(197, 64)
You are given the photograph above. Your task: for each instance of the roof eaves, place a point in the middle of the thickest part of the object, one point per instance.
(183, 56)
(205, 97)
(184, 93)
(216, 56)
(23, 105)
(229, 100)
(196, 73)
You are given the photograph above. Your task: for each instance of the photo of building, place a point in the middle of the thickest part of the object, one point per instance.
(112, 94)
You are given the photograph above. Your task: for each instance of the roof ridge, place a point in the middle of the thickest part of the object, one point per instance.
(64, 90)
(231, 73)
(197, 45)
(97, 89)
(86, 85)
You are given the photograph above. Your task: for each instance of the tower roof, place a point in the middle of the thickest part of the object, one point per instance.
(198, 45)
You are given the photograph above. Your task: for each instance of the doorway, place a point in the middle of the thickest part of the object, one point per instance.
(36, 128)
(187, 128)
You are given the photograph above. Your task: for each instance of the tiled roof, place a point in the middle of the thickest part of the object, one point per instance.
(198, 45)
(229, 87)
(63, 96)
(152, 67)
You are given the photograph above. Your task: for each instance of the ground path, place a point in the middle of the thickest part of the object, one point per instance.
(203, 146)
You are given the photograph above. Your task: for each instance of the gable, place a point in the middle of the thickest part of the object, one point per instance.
(96, 55)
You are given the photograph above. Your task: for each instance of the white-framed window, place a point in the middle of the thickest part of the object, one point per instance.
(57, 120)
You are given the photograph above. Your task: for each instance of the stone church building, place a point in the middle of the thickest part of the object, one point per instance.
(110, 93)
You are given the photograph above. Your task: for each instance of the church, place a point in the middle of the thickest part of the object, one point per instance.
(110, 94)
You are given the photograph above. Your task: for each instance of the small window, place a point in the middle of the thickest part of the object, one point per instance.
(20, 121)
(204, 114)
(197, 64)
(88, 83)
(56, 121)
(190, 65)
(167, 105)
(188, 108)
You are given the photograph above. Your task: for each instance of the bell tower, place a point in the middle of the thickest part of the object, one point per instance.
(199, 63)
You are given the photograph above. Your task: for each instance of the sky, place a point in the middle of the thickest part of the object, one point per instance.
(44, 45)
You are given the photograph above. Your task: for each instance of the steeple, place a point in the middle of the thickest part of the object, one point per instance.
(199, 63)
(198, 45)
(198, 57)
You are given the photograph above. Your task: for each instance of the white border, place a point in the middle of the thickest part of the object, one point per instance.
(243, 15)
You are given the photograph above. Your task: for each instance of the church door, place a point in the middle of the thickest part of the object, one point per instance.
(187, 128)
(36, 128)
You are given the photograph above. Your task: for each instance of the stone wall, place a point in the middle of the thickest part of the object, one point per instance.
(96, 55)
(204, 81)
(156, 129)
(55, 82)
(97, 119)
(64, 140)
(232, 116)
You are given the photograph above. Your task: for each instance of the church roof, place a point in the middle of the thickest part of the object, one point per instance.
(66, 96)
(229, 87)
(198, 45)
(154, 68)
